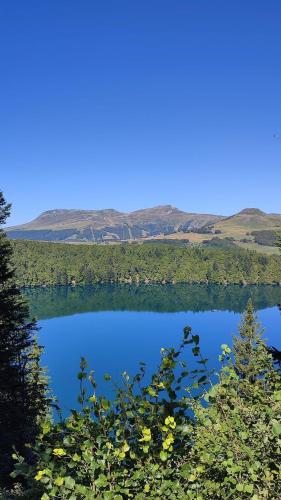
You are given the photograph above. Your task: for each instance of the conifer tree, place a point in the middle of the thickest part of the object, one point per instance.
(22, 387)
(249, 350)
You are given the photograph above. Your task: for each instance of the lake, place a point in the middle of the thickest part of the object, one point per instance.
(116, 326)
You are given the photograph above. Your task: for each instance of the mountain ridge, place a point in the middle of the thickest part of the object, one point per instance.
(111, 225)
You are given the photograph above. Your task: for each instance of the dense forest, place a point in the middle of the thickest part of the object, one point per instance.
(39, 263)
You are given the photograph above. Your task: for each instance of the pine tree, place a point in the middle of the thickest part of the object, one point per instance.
(249, 350)
(22, 387)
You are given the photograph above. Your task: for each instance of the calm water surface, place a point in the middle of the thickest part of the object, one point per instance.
(116, 326)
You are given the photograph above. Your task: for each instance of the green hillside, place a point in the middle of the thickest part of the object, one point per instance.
(250, 229)
(247, 221)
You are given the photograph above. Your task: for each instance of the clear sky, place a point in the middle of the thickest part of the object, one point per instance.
(128, 104)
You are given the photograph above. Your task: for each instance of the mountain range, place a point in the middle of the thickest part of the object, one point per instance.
(249, 227)
(109, 224)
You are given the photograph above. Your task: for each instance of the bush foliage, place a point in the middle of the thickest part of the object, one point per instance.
(187, 434)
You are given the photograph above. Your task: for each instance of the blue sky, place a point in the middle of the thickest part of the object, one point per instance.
(129, 104)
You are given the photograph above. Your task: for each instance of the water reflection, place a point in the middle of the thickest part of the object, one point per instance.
(50, 302)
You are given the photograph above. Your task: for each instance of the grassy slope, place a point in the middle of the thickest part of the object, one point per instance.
(238, 227)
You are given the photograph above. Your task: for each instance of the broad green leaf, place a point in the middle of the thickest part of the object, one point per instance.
(276, 427)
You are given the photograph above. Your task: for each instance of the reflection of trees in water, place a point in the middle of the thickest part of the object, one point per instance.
(64, 300)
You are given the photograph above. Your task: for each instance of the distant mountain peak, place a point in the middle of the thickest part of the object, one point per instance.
(159, 209)
(251, 211)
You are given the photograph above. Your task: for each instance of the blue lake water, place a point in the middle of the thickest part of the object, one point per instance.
(116, 326)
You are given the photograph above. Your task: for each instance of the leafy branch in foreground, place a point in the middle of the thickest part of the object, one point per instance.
(178, 437)
(133, 446)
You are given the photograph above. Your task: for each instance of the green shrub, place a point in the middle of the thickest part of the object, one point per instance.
(179, 437)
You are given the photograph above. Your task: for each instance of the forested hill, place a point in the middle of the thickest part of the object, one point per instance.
(39, 263)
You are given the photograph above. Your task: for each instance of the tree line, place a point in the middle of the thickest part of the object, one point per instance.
(39, 263)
